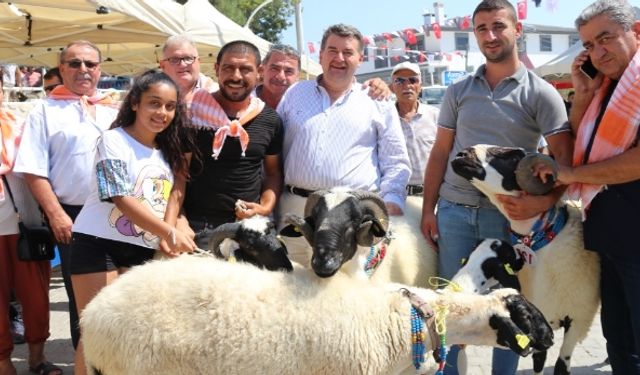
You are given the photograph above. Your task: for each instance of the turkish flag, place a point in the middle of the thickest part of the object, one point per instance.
(522, 9)
(437, 31)
(422, 57)
(466, 22)
(410, 36)
(312, 48)
(366, 40)
(388, 37)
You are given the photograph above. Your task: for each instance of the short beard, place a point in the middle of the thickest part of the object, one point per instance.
(502, 56)
(234, 99)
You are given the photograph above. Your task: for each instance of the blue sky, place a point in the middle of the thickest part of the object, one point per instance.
(376, 17)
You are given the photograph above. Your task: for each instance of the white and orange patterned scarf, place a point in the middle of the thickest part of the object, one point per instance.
(10, 134)
(63, 93)
(617, 130)
(206, 112)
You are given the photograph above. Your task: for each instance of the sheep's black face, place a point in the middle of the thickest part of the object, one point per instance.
(503, 265)
(335, 236)
(474, 163)
(467, 164)
(527, 329)
(264, 249)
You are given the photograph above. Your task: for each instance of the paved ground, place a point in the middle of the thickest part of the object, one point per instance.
(587, 359)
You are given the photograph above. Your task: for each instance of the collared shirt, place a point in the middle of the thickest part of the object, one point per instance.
(516, 113)
(59, 142)
(355, 142)
(420, 135)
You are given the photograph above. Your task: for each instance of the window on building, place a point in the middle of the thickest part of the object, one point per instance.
(545, 43)
(573, 39)
(462, 41)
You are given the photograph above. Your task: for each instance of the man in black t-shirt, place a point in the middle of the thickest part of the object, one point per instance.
(240, 140)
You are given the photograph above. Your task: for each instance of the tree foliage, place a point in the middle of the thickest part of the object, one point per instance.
(268, 23)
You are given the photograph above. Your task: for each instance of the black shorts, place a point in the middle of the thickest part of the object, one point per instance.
(90, 254)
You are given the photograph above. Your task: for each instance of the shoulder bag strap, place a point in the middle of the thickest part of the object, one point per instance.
(13, 202)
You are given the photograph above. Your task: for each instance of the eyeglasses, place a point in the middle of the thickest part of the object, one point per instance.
(51, 87)
(76, 64)
(402, 80)
(176, 60)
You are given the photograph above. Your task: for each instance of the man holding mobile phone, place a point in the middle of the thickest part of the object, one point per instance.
(605, 119)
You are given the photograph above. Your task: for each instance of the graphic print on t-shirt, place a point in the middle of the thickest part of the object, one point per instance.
(152, 189)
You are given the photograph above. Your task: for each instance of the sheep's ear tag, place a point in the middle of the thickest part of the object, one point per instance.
(522, 340)
(463, 261)
(526, 253)
(507, 267)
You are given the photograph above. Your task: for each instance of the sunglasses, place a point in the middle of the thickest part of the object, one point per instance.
(402, 80)
(177, 60)
(51, 87)
(76, 64)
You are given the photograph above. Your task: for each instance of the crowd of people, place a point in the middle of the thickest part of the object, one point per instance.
(182, 154)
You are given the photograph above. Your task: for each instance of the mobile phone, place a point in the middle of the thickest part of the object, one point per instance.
(588, 69)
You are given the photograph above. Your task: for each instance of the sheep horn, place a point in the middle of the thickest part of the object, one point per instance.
(371, 204)
(312, 201)
(219, 234)
(531, 183)
(300, 225)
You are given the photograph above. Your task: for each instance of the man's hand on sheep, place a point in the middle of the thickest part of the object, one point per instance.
(245, 210)
(563, 176)
(525, 206)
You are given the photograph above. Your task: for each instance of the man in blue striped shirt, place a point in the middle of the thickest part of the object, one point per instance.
(336, 135)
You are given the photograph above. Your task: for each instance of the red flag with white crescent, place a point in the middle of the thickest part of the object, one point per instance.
(522, 9)
(410, 36)
(312, 48)
(437, 31)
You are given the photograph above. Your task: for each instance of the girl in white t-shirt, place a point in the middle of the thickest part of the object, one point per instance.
(121, 223)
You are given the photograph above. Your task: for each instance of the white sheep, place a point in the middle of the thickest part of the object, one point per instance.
(561, 278)
(342, 226)
(206, 316)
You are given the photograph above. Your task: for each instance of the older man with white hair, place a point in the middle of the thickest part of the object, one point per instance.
(181, 62)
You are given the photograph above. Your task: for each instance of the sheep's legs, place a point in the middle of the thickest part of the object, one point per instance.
(569, 342)
(538, 362)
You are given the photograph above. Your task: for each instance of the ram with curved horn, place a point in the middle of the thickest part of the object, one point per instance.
(253, 240)
(559, 276)
(350, 230)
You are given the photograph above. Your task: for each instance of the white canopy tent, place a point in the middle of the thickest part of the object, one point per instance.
(130, 33)
(559, 68)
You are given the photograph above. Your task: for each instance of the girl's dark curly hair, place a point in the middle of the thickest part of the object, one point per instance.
(174, 141)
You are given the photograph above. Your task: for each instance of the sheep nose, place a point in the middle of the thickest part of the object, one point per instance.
(325, 266)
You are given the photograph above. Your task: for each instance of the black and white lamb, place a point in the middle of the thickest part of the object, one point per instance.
(193, 316)
(253, 240)
(351, 230)
(558, 275)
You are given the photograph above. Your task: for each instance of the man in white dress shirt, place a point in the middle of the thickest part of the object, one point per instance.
(336, 135)
(58, 145)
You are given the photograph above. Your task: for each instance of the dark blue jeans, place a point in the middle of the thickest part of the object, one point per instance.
(461, 228)
(620, 315)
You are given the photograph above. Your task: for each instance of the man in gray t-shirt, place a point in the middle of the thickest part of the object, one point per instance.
(501, 104)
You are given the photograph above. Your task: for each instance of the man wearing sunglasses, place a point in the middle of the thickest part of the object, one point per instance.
(181, 62)
(57, 150)
(51, 80)
(418, 122)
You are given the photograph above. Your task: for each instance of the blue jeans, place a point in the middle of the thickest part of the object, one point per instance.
(461, 228)
(620, 314)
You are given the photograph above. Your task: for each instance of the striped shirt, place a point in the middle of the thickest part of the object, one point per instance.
(355, 142)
